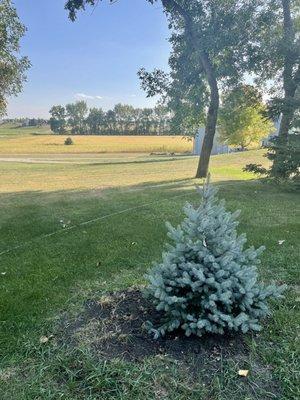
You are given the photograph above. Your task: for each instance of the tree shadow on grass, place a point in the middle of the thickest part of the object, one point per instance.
(30, 214)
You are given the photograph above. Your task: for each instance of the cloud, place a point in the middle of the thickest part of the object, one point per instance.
(87, 96)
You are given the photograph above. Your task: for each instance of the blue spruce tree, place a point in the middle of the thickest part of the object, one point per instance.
(206, 281)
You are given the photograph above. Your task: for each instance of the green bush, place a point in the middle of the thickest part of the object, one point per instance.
(285, 157)
(68, 141)
(206, 281)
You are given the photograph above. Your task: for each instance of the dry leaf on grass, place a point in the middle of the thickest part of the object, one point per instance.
(45, 339)
(243, 372)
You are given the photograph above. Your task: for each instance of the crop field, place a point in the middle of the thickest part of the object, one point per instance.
(78, 223)
(15, 141)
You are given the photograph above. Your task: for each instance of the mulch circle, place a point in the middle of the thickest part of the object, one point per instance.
(114, 328)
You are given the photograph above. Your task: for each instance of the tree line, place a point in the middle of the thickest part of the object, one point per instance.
(26, 121)
(123, 119)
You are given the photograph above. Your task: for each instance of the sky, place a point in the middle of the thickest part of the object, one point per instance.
(95, 58)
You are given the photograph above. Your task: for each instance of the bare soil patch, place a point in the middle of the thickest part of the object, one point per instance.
(113, 327)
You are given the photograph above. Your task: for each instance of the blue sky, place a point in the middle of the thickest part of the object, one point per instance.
(95, 58)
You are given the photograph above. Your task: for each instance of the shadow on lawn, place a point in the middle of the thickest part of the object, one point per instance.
(150, 161)
(32, 214)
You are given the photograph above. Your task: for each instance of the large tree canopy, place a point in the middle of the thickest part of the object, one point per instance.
(12, 67)
(276, 59)
(209, 39)
(242, 120)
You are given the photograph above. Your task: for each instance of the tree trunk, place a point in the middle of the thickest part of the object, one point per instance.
(211, 119)
(290, 81)
(285, 124)
(289, 59)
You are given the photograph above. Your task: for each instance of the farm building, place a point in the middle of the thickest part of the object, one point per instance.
(218, 147)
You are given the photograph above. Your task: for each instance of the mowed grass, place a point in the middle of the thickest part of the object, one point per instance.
(9, 130)
(31, 140)
(117, 172)
(127, 203)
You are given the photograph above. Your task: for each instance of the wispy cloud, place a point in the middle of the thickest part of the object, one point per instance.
(88, 96)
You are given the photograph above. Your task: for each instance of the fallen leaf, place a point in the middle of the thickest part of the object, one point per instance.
(243, 372)
(44, 339)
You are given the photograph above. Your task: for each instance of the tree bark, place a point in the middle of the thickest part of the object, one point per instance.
(211, 119)
(285, 124)
(289, 83)
(212, 115)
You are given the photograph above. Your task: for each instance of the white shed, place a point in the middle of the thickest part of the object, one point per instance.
(218, 147)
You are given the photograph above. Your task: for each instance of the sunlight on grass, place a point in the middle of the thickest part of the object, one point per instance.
(18, 177)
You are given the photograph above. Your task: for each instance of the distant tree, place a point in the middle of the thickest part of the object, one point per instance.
(12, 67)
(123, 119)
(37, 122)
(161, 115)
(146, 120)
(76, 113)
(136, 118)
(96, 121)
(58, 121)
(110, 120)
(242, 120)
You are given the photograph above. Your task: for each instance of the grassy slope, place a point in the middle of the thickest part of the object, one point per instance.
(18, 177)
(56, 273)
(8, 131)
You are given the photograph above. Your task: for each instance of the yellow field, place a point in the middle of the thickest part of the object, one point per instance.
(33, 160)
(53, 144)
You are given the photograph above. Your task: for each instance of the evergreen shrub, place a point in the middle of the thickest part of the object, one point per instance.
(207, 282)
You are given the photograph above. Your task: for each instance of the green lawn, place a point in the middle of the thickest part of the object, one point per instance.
(46, 278)
(10, 130)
